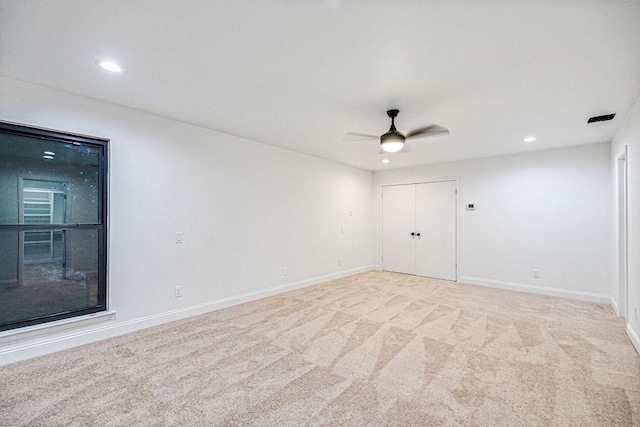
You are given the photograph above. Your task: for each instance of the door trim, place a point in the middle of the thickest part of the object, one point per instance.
(622, 234)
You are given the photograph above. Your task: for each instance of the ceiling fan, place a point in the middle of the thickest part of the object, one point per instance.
(393, 140)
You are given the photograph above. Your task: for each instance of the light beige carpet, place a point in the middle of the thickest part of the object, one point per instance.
(371, 349)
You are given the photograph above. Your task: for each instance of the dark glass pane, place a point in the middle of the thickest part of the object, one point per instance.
(48, 182)
(58, 243)
(58, 273)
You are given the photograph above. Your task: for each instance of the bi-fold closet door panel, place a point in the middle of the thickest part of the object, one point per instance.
(436, 223)
(398, 222)
(419, 229)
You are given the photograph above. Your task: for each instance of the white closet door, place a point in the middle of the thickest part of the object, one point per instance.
(398, 222)
(436, 223)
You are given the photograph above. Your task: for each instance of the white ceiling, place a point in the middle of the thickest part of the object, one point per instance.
(299, 74)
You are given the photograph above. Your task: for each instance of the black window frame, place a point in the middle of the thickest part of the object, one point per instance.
(101, 226)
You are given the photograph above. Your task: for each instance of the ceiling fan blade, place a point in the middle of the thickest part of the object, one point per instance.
(428, 131)
(357, 136)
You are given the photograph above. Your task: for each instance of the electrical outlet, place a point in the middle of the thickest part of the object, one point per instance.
(339, 262)
(179, 237)
(178, 291)
(284, 271)
(536, 273)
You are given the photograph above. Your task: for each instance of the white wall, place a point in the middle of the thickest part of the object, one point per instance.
(629, 136)
(246, 209)
(546, 210)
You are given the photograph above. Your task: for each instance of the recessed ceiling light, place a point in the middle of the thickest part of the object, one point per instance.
(47, 157)
(109, 66)
(529, 139)
(49, 153)
(386, 160)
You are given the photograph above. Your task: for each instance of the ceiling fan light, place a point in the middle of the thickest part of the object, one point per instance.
(392, 146)
(392, 142)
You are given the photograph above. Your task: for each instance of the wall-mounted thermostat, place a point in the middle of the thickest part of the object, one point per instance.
(470, 206)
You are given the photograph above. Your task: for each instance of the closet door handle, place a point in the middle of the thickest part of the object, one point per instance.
(413, 235)
(418, 234)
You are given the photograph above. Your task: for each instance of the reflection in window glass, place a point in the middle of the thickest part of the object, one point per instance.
(52, 232)
(72, 170)
(53, 285)
(43, 202)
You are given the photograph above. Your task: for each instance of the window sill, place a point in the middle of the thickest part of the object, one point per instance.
(53, 327)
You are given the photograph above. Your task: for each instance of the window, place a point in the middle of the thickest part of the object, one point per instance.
(53, 234)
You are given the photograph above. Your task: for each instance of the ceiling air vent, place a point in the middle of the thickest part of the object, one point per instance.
(604, 118)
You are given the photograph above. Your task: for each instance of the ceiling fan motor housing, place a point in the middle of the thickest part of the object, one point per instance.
(393, 140)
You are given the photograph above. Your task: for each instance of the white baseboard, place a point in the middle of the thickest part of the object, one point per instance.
(540, 290)
(633, 336)
(614, 305)
(22, 349)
